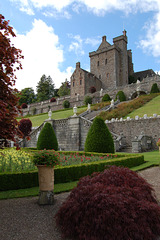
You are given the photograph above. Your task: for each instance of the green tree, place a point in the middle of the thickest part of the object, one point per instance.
(45, 88)
(27, 96)
(87, 100)
(47, 138)
(99, 138)
(64, 89)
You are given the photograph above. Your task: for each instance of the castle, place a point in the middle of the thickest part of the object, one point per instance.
(110, 67)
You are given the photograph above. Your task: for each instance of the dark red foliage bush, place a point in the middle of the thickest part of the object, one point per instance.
(25, 126)
(24, 105)
(92, 89)
(116, 204)
(53, 99)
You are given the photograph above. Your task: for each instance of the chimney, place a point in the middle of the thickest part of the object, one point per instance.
(124, 32)
(78, 65)
(104, 39)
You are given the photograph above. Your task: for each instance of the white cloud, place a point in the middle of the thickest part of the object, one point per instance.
(151, 44)
(98, 7)
(43, 54)
(57, 15)
(93, 41)
(76, 45)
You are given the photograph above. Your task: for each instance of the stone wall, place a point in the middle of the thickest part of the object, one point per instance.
(133, 128)
(130, 90)
(72, 132)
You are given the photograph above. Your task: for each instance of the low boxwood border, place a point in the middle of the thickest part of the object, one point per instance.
(13, 181)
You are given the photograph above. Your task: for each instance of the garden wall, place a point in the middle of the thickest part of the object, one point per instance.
(133, 128)
(71, 133)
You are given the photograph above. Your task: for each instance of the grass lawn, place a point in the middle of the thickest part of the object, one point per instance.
(149, 108)
(151, 158)
(37, 120)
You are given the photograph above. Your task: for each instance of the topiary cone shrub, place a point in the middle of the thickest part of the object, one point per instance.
(106, 98)
(99, 138)
(154, 88)
(121, 96)
(115, 204)
(47, 138)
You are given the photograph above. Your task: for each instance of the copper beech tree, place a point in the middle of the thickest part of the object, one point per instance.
(9, 62)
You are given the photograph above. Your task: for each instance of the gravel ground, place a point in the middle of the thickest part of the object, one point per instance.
(24, 219)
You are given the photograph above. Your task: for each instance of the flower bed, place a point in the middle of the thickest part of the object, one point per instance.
(10, 181)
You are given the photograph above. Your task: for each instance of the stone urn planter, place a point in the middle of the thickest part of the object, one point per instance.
(46, 185)
(45, 160)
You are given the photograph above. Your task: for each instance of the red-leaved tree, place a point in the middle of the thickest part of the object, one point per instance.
(9, 63)
(114, 204)
(25, 127)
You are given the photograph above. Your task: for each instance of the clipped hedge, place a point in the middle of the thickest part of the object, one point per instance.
(12, 181)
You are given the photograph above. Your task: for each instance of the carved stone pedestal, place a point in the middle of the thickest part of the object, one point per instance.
(46, 198)
(46, 185)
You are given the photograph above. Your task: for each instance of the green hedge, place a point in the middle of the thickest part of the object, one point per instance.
(11, 181)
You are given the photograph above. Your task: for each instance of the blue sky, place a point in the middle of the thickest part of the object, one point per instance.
(55, 34)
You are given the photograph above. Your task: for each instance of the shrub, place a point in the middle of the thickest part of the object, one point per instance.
(114, 204)
(99, 139)
(47, 138)
(24, 105)
(106, 98)
(53, 99)
(154, 88)
(87, 100)
(66, 104)
(25, 126)
(121, 96)
(92, 89)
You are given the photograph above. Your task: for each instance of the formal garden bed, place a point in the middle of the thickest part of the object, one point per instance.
(17, 170)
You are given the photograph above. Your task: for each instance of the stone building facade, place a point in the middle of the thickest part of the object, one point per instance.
(110, 67)
(82, 81)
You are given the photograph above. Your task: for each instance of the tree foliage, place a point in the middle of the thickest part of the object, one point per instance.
(106, 98)
(9, 62)
(25, 126)
(154, 88)
(114, 204)
(121, 96)
(47, 138)
(99, 138)
(66, 104)
(45, 88)
(64, 89)
(27, 96)
(87, 100)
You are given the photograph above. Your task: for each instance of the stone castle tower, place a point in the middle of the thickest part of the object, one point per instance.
(110, 67)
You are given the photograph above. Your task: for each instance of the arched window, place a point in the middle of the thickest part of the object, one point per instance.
(97, 63)
(106, 61)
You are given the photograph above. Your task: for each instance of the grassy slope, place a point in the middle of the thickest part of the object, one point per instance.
(39, 119)
(149, 108)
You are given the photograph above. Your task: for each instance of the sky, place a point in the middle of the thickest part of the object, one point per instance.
(55, 34)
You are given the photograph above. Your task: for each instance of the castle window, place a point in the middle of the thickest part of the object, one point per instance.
(99, 76)
(80, 81)
(107, 75)
(80, 74)
(106, 61)
(73, 84)
(97, 63)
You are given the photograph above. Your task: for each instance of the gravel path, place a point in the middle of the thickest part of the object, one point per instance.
(24, 219)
